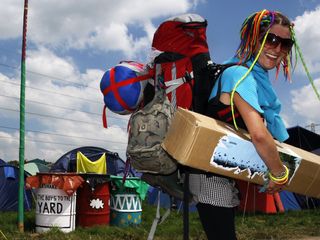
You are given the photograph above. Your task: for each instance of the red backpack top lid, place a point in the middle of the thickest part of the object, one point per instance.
(185, 34)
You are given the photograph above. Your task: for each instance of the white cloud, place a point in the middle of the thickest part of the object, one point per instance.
(307, 31)
(305, 102)
(45, 61)
(85, 125)
(11, 13)
(80, 24)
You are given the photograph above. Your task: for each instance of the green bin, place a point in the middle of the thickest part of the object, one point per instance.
(125, 201)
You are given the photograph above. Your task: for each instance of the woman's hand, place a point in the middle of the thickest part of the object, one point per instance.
(273, 188)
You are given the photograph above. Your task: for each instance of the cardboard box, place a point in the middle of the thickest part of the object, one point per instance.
(194, 139)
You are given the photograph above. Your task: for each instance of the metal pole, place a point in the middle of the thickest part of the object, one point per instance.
(22, 122)
(186, 206)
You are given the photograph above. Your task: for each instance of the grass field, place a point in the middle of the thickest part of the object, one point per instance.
(289, 225)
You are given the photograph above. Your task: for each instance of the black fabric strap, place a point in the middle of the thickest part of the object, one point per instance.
(200, 61)
(168, 57)
(218, 70)
(194, 25)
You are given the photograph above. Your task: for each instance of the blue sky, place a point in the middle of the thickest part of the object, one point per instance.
(70, 44)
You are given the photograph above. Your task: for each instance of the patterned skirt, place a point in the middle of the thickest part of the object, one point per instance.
(212, 189)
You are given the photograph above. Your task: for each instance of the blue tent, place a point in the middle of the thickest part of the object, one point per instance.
(306, 202)
(9, 188)
(67, 162)
(309, 141)
(289, 201)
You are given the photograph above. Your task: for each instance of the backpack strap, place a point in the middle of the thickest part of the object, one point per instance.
(104, 116)
(175, 83)
(219, 110)
(126, 170)
(218, 69)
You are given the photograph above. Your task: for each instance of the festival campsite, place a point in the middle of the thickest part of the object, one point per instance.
(256, 204)
(253, 204)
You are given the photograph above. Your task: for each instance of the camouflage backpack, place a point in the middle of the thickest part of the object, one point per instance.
(148, 127)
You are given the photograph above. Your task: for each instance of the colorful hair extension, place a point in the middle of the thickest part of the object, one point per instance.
(297, 48)
(250, 33)
(287, 61)
(243, 77)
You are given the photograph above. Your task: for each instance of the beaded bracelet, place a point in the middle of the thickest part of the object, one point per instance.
(281, 179)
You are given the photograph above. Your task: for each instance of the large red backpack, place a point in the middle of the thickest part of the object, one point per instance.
(182, 59)
(181, 65)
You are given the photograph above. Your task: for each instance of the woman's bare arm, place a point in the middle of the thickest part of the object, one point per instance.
(260, 136)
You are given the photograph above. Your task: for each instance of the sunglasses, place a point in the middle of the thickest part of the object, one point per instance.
(273, 41)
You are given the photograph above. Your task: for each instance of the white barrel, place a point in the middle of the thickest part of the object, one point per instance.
(54, 208)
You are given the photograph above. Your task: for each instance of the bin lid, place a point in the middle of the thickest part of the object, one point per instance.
(135, 183)
(69, 182)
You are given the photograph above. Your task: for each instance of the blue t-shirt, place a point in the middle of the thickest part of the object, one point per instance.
(256, 89)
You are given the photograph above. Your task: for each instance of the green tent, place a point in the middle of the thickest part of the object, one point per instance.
(33, 168)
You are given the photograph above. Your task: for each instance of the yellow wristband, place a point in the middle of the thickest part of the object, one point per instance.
(280, 179)
(282, 182)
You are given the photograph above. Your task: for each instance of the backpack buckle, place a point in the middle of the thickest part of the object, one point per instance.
(187, 77)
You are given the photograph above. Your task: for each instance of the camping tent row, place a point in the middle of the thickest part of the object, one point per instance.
(9, 174)
(253, 202)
